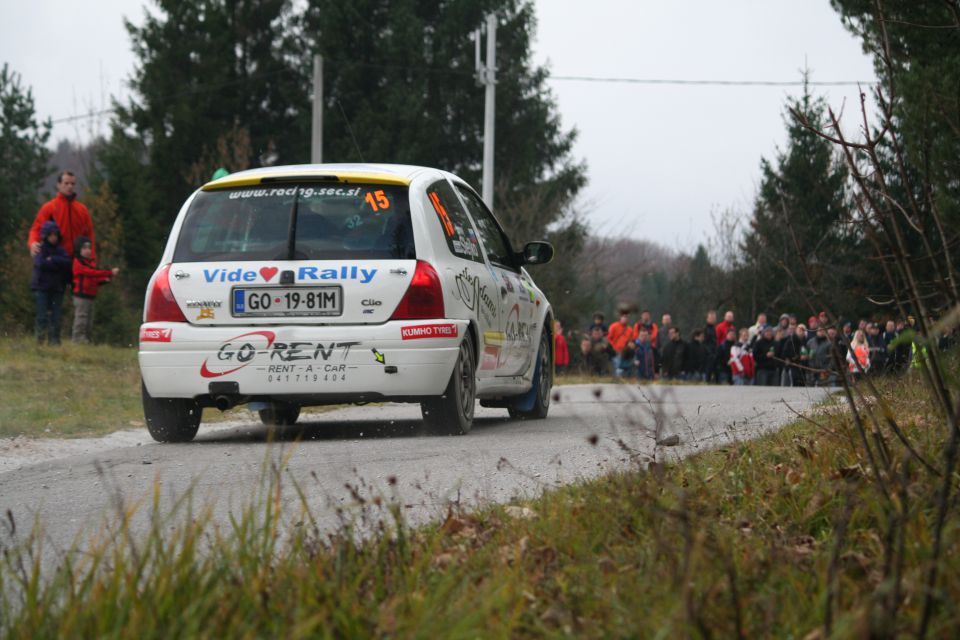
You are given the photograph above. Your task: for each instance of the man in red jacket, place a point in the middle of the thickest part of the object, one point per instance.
(725, 326)
(71, 216)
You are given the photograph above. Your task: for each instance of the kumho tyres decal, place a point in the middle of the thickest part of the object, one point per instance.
(300, 361)
(151, 334)
(421, 331)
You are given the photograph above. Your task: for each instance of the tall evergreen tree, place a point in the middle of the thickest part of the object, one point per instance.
(23, 167)
(400, 87)
(916, 51)
(23, 153)
(924, 40)
(799, 249)
(205, 67)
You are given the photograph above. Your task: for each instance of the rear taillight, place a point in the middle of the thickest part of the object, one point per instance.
(424, 297)
(161, 305)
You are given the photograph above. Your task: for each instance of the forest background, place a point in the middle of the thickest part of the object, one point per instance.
(226, 83)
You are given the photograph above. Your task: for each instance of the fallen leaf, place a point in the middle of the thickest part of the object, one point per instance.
(555, 615)
(545, 555)
(856, 563)
(816, 634)
(521, 513)
(452, 525)
(443, 560)
(853, 472)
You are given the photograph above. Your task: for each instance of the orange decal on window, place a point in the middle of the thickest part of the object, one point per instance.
(377, 200)
(444, 218)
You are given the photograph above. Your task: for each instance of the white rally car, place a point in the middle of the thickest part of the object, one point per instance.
(306, 285)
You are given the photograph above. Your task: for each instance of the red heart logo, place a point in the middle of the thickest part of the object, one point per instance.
(268, 273)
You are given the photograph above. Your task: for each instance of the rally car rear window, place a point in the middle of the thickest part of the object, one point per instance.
(333, 222)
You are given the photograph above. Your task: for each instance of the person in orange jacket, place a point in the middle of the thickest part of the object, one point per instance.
(621, 336)
(72, 217)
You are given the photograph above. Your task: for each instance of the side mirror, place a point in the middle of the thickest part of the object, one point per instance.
(537, 253)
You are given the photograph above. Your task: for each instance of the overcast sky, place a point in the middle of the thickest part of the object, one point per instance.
(660, 157)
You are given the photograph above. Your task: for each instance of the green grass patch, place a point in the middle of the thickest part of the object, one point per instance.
(74, 391)
(740, 541)
(70, 390)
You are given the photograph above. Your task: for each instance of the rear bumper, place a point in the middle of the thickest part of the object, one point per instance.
(396, 359)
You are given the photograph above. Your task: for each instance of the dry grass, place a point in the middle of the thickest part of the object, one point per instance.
(742, 541)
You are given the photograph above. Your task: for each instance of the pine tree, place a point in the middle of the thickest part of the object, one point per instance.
(799, 250)
(916, 52)
(399, 87)
(23, 167)
(208, 67)
(23, 153)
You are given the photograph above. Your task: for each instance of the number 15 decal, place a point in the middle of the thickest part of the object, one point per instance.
(377, 200)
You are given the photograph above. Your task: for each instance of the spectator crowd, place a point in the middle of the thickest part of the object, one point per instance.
(786, 353)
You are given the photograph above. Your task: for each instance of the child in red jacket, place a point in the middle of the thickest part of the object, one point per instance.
(86, 278)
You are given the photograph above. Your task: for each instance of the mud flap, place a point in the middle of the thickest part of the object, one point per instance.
(527, 400)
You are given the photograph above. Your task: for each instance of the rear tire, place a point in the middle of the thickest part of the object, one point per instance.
(542, 385)
(170, 419)
(452, 413)
(280, 414)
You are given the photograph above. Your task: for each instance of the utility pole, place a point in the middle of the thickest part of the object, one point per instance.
(316, 135)
(487, 77)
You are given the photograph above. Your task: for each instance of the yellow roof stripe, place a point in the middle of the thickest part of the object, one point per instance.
(247, 179)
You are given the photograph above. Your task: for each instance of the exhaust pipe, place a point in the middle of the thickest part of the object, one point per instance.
(223, 402)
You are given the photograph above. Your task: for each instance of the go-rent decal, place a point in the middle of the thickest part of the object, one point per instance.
(344, 272)
(243, 352)
(272, 357)
(428, 331)
(150, 334)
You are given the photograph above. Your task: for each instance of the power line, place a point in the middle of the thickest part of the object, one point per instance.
(204, 88)
(715, 83)
(596, 79)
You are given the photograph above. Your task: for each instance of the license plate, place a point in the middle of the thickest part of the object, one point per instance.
(287, 301)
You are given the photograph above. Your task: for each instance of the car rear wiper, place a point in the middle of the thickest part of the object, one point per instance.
(292, 231)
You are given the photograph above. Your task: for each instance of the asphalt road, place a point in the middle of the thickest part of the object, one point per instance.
(380, 450)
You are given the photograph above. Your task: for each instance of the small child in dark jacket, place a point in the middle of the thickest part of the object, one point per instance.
(51, 275)
(86, 278)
